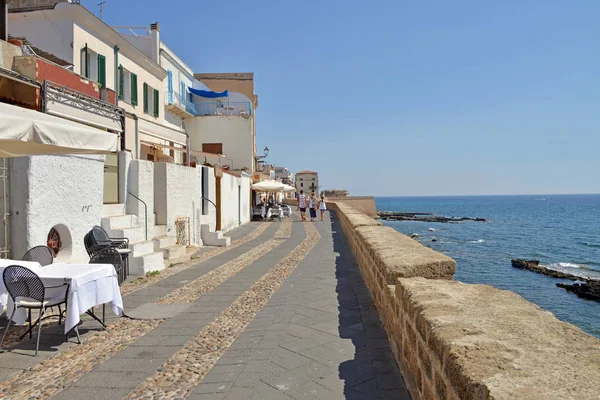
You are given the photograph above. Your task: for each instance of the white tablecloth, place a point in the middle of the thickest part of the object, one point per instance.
(89, 285)
(34, 266)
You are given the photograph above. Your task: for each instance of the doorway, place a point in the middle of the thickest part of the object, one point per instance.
(111, 179)
(218, 189)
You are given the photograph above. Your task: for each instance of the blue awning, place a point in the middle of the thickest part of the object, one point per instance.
(208, 94)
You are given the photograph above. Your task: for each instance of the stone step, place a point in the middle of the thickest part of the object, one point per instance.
(213, 238)
(162, 242)
(110, 210)
(133, 234)
(119, 222)
(140, 266)
(159, 230)
(172, 252)
(142, 248)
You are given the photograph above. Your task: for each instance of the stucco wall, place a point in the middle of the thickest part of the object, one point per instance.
(177, 193)
(364, 204)
(234, 132)
(460, 341)
(140, 182)
(210, 218)
(231, 200)
(48, 191)
(8, 52)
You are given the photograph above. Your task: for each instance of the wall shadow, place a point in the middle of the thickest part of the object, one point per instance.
(373, 373)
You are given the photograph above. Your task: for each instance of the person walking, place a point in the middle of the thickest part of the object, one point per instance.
(313, 206)
(322, 207)
(302, 205)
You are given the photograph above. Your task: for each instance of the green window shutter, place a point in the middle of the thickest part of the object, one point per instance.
(156, 103)
(102, 70)
(85, 68)
(134, 90)
(145, 97)
(121, 83)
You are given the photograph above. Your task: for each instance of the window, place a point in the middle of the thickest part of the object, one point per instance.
(134, 90)
(212, 148)
(93, 66)
(126, 85)
(183, 92)
(170, 86)
(301, 179)
(313, 179)
(302, 185)
(150, 100)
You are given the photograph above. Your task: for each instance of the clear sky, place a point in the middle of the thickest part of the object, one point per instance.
(407, 97)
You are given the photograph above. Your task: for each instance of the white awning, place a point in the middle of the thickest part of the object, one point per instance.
(25, 132)
(162, 132)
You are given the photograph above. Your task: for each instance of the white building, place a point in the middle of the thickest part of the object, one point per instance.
(307, 181)
(141, 192)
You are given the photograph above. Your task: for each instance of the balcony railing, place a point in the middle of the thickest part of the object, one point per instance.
(240, 109)
(181, 102)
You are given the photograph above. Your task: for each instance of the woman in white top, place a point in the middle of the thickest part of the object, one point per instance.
(322, 207)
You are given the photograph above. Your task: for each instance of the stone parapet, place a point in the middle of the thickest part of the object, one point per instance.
(362, 204)
(461, 341)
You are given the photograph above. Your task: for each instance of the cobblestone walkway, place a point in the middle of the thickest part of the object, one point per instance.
(282, 315)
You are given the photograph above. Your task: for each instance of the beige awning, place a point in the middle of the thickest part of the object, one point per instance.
(25, 132)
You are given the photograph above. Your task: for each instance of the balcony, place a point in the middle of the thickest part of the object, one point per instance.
(227, 109)
(180, 105)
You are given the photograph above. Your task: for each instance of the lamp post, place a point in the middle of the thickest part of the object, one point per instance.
(259, 159)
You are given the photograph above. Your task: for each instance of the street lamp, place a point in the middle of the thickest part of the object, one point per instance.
(266, 151)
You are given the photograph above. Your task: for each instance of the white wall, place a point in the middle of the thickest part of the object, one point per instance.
(230, 201)
(50, 191)
(177, 193)
(234, 132)
(210, 218)
(140, 182)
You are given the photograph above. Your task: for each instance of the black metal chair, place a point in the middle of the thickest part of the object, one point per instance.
(42, 254)
(27, 290)
(108, 256)
(97, 239)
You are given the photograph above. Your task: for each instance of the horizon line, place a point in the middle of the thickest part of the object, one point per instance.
(487, 195)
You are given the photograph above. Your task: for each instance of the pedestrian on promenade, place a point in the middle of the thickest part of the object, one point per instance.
(302, 205)
(313, 206)
(322, 207)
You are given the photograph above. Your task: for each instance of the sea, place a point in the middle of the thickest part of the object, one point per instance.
(561, 231)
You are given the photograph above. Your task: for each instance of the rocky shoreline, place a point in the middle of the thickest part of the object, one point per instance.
(585, 288)
(423, 217)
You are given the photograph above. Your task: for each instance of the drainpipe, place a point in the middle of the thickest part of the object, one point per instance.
(4, 20)
(116, 50)
(137, 134)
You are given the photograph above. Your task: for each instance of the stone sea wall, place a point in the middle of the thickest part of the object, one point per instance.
(461, 341)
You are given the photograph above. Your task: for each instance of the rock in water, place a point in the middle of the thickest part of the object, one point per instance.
(520, 263)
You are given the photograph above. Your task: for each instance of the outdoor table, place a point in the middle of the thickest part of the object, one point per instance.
(89, 285)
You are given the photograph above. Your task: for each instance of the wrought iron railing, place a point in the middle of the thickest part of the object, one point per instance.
(224, 108)
(182, 102)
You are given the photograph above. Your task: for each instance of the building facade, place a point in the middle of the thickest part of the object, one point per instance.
(307, 181)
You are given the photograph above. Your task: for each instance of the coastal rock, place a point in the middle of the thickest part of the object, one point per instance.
(423, 217)
(589, 289)
(526, 264)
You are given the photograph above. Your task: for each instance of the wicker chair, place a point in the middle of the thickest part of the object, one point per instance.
(42, 254)
(28, 291)
(98, 239)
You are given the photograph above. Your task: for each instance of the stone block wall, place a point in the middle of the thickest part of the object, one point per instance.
(461, 341)
(363, 204)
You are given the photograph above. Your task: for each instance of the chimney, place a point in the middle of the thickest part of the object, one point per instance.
(155, 29)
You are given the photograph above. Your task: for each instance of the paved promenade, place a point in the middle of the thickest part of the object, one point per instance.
(283, 313)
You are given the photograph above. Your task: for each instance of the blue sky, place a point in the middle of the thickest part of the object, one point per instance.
(407, 98)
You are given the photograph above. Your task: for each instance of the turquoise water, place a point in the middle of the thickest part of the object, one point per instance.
(562, 231)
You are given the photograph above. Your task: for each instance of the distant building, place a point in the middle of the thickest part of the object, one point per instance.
(335, 193)
(307, 181)
(284, 175)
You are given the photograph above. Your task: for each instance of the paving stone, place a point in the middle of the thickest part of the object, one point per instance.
(105, 379)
